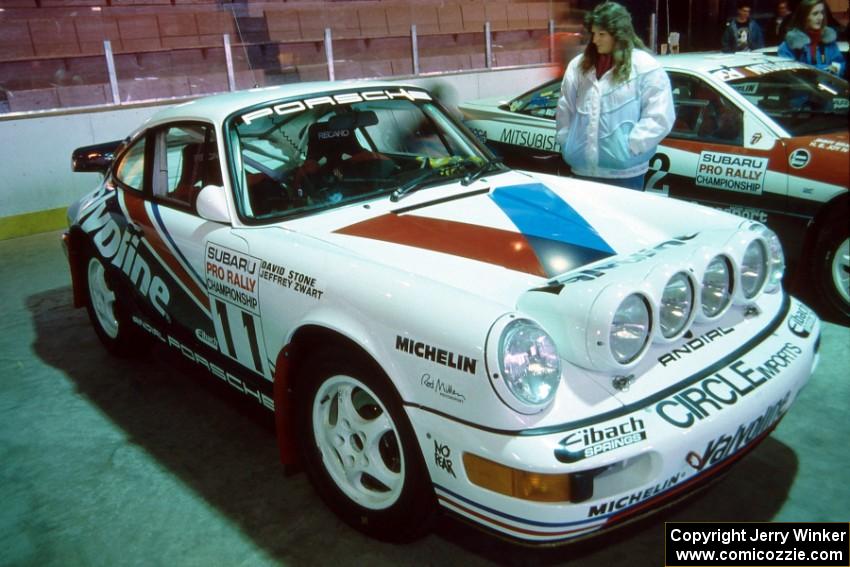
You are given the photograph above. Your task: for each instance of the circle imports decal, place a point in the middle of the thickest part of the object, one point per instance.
(799, 158)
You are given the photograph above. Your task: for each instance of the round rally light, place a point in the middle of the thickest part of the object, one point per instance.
(530, 363)
(629, 333)
(754, 269)
(677, 304)
(716, 287)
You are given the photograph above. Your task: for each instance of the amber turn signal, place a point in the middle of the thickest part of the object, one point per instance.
(538, 487)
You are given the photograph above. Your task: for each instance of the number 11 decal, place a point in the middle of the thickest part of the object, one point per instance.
(242, 339)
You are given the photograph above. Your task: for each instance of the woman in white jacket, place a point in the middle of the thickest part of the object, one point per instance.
(615, 105)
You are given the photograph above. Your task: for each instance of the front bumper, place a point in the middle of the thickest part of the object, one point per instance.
(638, 459)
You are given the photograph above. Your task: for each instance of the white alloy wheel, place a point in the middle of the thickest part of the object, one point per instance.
(102, 298)
(358, 441)
(841, 270)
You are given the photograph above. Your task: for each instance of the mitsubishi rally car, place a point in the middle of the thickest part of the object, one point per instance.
(761, 137)
(431, 330)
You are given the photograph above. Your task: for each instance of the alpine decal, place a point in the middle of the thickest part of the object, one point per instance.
(136, 211)
(561, 238)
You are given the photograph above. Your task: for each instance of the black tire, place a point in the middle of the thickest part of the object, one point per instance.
(108, 314)
(831, 267)
(397, 504)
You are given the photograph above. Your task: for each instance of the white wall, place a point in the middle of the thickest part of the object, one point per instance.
(35, 149)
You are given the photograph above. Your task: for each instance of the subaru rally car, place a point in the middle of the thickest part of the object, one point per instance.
(762, 137)
(432, 330)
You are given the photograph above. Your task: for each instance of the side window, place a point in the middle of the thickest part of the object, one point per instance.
(186, 161)
(542, 103)
(704, 114)
(131, 171)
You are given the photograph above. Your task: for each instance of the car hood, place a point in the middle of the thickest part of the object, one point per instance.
(503, 235)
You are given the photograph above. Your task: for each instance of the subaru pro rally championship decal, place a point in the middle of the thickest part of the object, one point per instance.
(552, 237)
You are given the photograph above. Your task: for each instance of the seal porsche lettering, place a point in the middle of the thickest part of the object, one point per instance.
(437, 355)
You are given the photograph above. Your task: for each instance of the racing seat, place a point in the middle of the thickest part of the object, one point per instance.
(334, 153)
(195, 173)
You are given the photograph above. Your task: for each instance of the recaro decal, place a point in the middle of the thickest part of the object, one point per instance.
(297, 106)
(711, 395)
(122, 247)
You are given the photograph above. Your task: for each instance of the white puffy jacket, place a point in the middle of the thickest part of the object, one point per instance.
(609, 129)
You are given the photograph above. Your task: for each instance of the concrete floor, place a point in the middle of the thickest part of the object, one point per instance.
(112, 462)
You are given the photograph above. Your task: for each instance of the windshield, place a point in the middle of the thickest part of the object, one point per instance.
(541, 102)
(316, 153)
(801, 100)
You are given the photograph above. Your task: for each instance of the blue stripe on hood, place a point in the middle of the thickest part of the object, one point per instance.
(561, 238)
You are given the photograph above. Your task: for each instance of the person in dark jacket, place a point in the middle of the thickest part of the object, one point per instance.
(809, 40)
(777, 26)
(742, 33)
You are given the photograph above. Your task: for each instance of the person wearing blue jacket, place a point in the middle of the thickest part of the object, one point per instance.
(742, 33)
(616, 104)
(809, 40)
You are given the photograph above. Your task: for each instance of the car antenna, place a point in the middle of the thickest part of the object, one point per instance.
(244, 48)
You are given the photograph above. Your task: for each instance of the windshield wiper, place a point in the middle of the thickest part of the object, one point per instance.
(485, 167)
(448, 170)
(413, 184)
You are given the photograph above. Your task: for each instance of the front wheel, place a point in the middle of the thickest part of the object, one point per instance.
(832, 269)
(359, 449)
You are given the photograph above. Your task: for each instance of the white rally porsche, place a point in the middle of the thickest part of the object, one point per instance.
(433, 331)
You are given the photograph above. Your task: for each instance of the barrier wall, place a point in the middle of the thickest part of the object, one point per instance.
(37, 182)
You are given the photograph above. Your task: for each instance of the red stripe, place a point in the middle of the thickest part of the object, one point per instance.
(491, 245)
(139, 215)
(509, 526)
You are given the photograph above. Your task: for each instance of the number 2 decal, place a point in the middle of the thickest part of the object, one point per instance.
(241, 340)
(659, 167)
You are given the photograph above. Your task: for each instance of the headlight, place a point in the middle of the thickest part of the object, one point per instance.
(629, 332)
(716, 287)
(677, 304)
(529, 364)
(776, 261)
(754, 269)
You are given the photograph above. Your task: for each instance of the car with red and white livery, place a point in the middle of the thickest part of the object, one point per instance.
(755, 135)
(432, 330)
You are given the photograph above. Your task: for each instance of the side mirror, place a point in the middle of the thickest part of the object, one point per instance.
(212, 204)
(94, 159)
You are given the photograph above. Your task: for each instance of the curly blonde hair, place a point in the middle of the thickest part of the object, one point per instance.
(616, 20)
